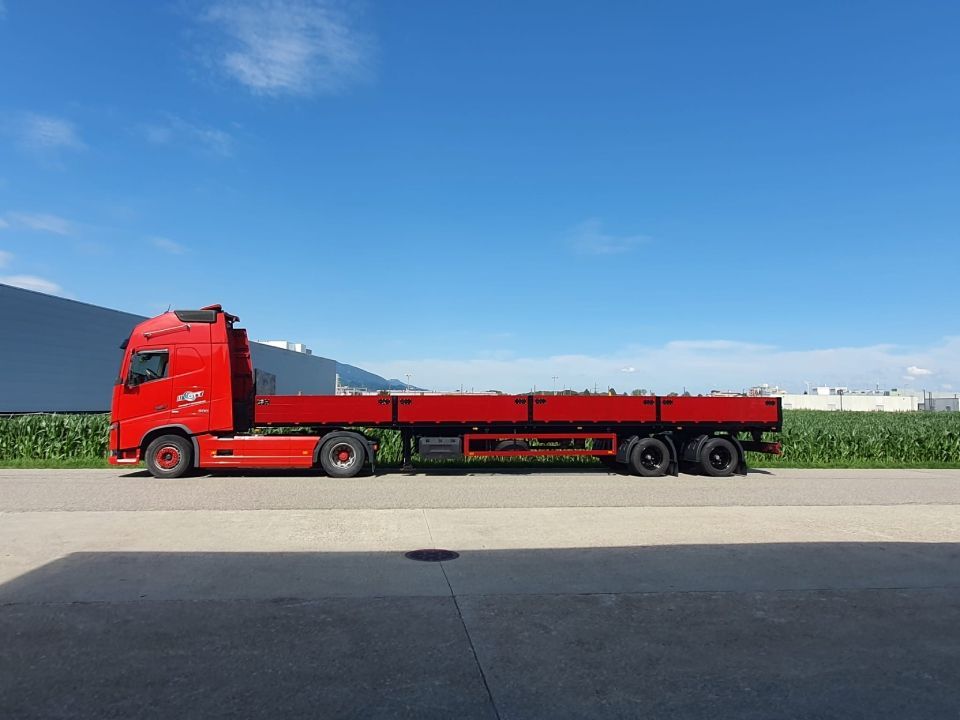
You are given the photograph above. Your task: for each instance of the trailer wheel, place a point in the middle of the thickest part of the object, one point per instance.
(342, 457)
(718, 457)
(169, 456)
(649, 458)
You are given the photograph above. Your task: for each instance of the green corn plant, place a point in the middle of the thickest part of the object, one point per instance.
(809, 437)
(53, 437)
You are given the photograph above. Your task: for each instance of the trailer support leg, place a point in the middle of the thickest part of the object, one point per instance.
(406, 444)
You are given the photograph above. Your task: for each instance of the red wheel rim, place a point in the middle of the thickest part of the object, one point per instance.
(167, 457)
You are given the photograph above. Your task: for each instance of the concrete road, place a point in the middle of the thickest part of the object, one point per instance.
(781, 594)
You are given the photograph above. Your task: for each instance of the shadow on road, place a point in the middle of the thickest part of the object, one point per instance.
(438, 471)
(767, 630)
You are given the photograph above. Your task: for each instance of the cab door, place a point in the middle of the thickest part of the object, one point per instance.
(148, 393)
(191, 390)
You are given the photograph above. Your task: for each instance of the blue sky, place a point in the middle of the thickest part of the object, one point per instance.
(636, 194)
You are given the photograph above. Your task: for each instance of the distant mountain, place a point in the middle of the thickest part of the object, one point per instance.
(355, 377)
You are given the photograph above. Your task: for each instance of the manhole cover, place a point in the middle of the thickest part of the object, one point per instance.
(432, 555)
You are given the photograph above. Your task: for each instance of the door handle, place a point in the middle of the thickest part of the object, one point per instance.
(158, 408)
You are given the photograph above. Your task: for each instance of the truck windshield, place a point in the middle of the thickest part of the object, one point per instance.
(148, 365)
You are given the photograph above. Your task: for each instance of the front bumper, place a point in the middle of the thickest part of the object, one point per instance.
(124, 457)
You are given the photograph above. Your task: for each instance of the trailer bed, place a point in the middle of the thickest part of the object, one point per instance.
(515, 410)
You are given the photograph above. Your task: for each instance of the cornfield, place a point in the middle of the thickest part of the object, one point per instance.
(809, 437)
(820, 438)
(54, 437)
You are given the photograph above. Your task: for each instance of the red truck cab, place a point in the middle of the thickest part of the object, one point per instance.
(184, 372)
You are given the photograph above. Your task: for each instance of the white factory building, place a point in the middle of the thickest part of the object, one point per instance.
(856, 402)
(824, 397)
(59, 355)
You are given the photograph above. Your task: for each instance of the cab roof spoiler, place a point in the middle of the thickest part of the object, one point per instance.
(206, 314)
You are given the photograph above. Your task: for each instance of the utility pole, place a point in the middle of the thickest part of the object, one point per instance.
(408, 382)
(555, 378)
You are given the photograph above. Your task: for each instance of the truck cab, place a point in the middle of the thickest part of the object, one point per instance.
(185, 372)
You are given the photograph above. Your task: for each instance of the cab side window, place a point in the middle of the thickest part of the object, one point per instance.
(148, 365)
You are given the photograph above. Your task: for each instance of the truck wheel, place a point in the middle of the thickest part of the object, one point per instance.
(718, 457)
(169, 456)
(649, 458)
(342, 457)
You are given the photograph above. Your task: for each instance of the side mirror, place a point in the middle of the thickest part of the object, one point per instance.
(130, 383)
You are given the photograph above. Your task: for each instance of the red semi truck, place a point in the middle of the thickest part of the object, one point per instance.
(185, 399)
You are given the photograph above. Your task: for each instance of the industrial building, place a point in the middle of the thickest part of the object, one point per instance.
(861, 402)
(59, 355)
(824, 397)
(940, 402)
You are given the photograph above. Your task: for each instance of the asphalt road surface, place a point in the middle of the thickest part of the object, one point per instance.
(575, 594)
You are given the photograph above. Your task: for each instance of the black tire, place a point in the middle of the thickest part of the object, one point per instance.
(512, 446)
(342, 457)
(649, 458)
(718, 457)
(169, 456)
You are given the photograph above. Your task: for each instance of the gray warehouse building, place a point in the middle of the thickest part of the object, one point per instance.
(59, 355)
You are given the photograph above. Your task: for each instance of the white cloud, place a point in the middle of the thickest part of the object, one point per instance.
(168, 245)
(3, 224)
(698, 365)
(914, 371)
(175, 130)
(288, 47)
(32, 282)
(589, 238)
(45, 133)
(628, 369)
(40, 222)
(5, 258)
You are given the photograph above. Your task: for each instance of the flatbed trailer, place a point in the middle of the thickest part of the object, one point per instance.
(184, 399)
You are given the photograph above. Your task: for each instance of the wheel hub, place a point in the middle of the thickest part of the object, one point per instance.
(167, 457)
(651, 459)
(719, 459)
(343, 455)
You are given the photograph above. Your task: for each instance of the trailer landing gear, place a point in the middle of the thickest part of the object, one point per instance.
(406, 446)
